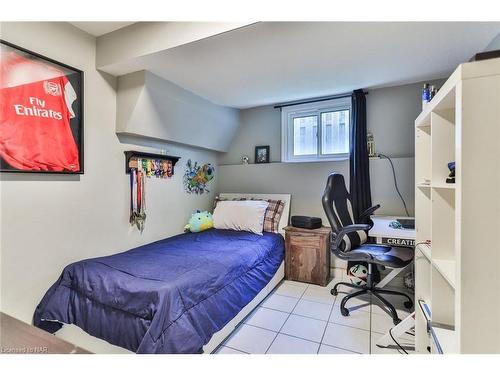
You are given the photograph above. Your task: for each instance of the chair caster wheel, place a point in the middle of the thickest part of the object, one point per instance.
(396, 321)
(408, 304)
(334, 292)
(344, 311)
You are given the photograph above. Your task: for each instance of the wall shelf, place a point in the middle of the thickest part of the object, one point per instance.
(459, 125)
(129, 155)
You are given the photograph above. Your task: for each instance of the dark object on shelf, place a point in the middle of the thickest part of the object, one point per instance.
(307, 255)
(485, 55)
(434, 91)
(306, 222)
(407, 223)
(146, 155)
(43, 121)
(261, 154)
(451, 176)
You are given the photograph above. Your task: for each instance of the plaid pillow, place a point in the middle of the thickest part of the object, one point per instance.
(271, 217)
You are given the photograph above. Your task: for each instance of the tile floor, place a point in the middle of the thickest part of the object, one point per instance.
(299, 318)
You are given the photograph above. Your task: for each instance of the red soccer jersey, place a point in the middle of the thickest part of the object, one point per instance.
(35, 113)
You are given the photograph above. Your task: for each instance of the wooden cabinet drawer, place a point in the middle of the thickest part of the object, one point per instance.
(304, 240)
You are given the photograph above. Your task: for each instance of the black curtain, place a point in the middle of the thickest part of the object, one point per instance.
(359, 167)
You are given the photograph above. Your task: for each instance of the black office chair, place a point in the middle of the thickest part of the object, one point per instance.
(349, 243)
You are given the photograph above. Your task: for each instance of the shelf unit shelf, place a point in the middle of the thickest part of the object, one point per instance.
(459, 125)
(447, 340)
(425, 250)
(439, 185)
(443, 185)
(447, 269)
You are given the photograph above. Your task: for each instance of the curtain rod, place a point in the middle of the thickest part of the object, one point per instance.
(314, 100)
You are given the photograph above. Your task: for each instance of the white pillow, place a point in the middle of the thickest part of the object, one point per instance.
(240, 215)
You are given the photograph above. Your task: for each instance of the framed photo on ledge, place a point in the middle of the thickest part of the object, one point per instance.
(261, 154)
(41, 113)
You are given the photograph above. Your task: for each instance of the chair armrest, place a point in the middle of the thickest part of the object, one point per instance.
(346, 230)
(366, 213)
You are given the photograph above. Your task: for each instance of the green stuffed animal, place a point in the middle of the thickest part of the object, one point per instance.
(199, 222)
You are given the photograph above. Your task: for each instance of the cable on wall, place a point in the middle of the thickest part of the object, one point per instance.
(396, 182)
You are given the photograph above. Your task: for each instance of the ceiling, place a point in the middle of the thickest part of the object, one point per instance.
(271, 62)
(100, 28)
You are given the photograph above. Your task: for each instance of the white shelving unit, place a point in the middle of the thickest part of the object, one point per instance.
(456, 271)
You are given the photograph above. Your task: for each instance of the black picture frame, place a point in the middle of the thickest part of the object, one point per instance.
(262, 154)
(75, 78)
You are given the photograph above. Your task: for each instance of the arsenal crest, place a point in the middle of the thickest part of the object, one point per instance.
(52, 88)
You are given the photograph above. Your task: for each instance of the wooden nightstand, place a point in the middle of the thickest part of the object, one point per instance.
(307, 255)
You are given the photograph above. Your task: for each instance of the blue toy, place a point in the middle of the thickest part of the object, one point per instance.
(199, 222)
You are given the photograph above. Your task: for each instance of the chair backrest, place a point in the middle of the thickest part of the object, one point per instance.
(338, 209)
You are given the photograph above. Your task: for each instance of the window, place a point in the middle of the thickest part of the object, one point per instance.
(316, 131)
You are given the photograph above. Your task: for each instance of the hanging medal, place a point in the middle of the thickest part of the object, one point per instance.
(157, 169)
(169, 168)
(133, 192)
(165, 168)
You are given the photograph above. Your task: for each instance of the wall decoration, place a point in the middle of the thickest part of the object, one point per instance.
(41, 113)
(141, 165)
(197, 177)
(261, 154)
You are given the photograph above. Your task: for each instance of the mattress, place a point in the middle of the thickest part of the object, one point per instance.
(169, 296)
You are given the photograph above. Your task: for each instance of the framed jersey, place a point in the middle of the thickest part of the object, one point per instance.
(41, 113)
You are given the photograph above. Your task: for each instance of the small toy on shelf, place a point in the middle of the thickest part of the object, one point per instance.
(451, 176)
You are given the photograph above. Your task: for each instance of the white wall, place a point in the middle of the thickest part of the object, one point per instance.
(136, 46)
(148, 105)
(49, 221)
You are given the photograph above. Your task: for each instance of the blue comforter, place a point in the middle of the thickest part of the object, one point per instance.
(169, 296)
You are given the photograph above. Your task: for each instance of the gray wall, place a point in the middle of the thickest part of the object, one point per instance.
(50, 221)
(150, 106)
(306, 181)
(391, 114)
(258, 126)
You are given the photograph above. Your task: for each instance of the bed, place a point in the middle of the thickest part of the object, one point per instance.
(183, 294)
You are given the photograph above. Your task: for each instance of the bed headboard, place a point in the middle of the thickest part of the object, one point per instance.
(284, 197)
